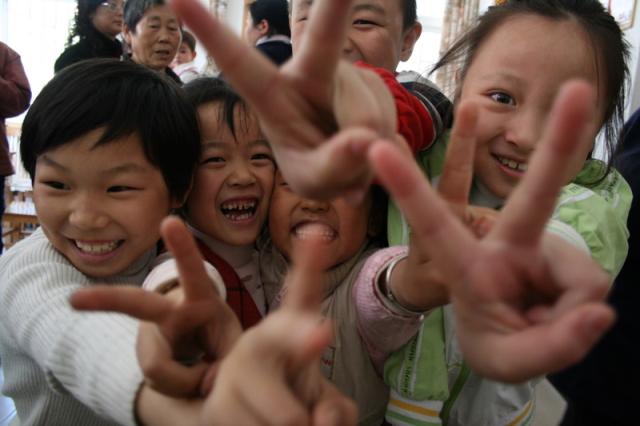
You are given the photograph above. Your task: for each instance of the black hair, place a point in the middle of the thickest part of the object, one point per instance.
(275, 12)
(207, 90)
(609, 44)
(188, 38)
(82, 27)
(124, 98)
(409, 13)
(134, 10)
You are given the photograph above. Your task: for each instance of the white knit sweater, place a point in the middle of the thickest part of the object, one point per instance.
(64, 367)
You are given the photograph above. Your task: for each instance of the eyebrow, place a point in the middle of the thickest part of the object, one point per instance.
(120, 169)
(501, 75)
(223, 145)
(369, 7)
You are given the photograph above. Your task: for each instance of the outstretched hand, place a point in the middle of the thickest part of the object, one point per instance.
(526, 302)
(302, 104)
(272, 375)
(192, 321)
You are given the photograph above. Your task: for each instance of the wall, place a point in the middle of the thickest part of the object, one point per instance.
(633, 36)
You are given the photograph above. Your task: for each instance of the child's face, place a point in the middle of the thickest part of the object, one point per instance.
(233, 184)
(156, 38)
(100, 206)
(514, 79)
(341, 226)
(375, 35)
(185, 54)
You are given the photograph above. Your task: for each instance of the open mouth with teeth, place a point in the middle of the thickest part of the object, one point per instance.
(512, 164)
(97, 249)
(317, 230)
(239, 210)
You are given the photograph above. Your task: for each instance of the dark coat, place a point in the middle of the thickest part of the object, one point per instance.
(95, 45)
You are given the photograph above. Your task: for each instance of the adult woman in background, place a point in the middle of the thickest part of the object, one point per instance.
(267, 28)
(96, 24)
(153, 33)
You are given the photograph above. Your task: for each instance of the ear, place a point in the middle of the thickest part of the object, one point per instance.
(409, 40)
(263, 27)
(126, 34)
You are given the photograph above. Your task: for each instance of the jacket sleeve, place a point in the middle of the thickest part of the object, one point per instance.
(15, 92)
(383, 325)
(415, 122)
(595, 219)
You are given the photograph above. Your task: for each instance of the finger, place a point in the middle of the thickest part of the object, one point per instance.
(531, 204)
(455, 183)
(334, 408)
(135, 302)
(305, 280)
(194, 280)
(335, 168)
(248, 71)
(436, 231)
(548, 347)
(321, 47)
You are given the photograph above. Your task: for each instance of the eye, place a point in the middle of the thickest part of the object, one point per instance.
(120, 188)
(502, 98)
(364, 23)
(56, 185)
(215, 160)
(262, 157)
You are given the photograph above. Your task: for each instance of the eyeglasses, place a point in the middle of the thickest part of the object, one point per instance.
(113, 5)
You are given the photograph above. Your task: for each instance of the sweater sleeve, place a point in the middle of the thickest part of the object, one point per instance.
(383, 325)
(165, 272)
(415, 123)
(15, 92)
(88, 355)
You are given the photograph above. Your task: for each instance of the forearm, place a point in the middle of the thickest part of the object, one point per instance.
(156, 409)
(417, 288)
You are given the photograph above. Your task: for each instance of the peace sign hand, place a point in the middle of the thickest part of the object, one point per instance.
(526, 302)
(192, 321)
(302, 104)
(272, 375)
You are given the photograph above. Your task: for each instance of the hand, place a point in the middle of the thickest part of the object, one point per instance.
(526, 303)
(303, 103)
(272, 375)
(193, 321)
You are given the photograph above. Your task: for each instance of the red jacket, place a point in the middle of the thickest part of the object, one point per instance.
(15, 95)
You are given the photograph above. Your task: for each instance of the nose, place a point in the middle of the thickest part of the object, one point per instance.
(86, 214)
(525, 129)
(241, 175)
(314, 206)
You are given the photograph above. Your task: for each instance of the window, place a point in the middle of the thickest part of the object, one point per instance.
(38, 31)
(427, 49)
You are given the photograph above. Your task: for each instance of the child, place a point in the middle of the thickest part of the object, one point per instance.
(229, 201)
(513, 81)
(381, 34)
(183, 64)
(111, 148)
(368, 323)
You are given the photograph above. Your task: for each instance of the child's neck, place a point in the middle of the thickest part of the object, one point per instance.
(483, 197)
(234, 255)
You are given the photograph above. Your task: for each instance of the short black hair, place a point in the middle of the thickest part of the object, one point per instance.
(409, 13)
(188, 38)
(124, 98)
(275, 12)
(205, 90)
(134, 10)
